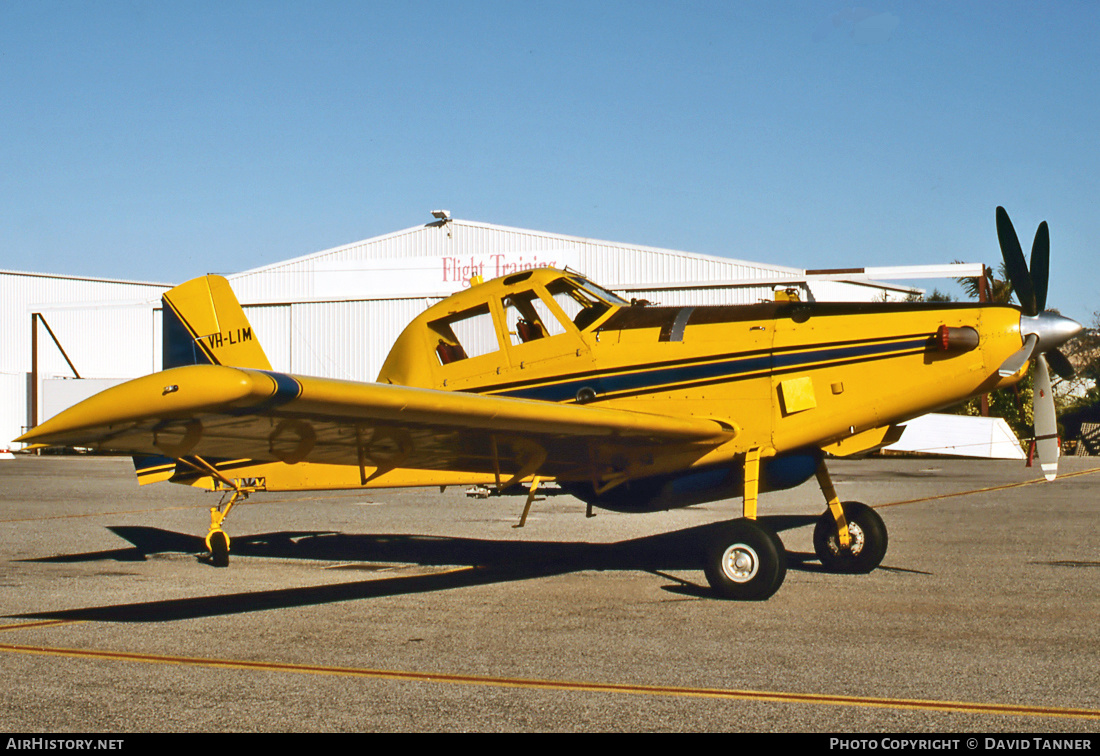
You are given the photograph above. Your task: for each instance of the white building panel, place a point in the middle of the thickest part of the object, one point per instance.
(272, 327)
(24, 293)
(91, 319)
(58, 394)
(960, 436)
(700, 297)
(101, 340)
(13, 407)
(348, 339)
(838, 291)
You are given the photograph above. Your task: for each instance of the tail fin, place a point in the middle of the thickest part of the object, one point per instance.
(205, 325)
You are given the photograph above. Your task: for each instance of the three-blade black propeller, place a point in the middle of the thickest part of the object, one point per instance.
(1043, 331)
(1016, 265)
(1030, 284)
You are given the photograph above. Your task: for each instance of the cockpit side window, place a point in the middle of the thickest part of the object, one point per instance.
(466, 334)
(528, 318)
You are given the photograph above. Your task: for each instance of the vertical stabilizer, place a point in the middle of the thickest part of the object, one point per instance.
(205, 325)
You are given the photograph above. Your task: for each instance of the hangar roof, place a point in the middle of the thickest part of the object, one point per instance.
(438, 258)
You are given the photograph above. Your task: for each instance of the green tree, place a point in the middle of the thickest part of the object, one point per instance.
(1084, 354)
(998, 290)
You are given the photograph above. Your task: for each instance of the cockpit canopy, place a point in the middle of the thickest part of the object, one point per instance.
(528, 315)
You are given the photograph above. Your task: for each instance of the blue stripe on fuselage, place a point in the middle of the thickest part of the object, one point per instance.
(733, 369)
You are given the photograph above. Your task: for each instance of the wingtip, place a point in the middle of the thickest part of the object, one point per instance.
(28, 438)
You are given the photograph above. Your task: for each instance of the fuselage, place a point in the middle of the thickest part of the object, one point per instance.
(784, 375)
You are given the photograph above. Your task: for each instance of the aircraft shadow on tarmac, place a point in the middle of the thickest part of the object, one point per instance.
(490, 562)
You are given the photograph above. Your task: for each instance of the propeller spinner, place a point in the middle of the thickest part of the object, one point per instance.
(1043, 332)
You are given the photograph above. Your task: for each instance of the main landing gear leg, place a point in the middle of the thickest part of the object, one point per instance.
(849, 537)
(746, 560)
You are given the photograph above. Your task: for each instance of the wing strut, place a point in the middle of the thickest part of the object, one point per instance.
(383, 461)
(534, 456)
(496, 462)
(361, 452)
(527, 506)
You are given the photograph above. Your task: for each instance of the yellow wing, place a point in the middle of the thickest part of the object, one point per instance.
(218, 412)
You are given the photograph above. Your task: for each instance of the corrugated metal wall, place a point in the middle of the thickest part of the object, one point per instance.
(13, 407)
(102, 340)
(296, 279)
(107, 336)
(348, 339)
(702, 297)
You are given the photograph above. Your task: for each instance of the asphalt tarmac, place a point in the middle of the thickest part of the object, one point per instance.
(421, 611)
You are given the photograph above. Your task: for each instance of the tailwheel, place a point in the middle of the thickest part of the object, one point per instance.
(218, 543)
(867, 540)
(746, 561)
(217, 540)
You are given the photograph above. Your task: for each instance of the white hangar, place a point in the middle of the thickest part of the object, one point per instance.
(336, 313)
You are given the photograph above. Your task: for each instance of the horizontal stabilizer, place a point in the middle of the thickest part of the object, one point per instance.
(150, 469)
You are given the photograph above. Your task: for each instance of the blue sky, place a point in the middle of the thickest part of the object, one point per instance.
(162, 140)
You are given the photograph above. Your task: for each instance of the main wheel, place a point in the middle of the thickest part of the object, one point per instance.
(746, 561)
(867, 536)
(218, 543)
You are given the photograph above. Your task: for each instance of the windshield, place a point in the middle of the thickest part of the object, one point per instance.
(601, 293)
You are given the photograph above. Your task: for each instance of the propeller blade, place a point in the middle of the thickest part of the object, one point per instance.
(1046, 423)
(1016, 362)
(1015, 264)
(1040, 265)
(1060, 365)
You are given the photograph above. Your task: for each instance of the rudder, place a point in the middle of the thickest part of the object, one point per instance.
(204, 324)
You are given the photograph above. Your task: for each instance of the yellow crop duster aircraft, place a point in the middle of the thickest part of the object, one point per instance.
(544, 375)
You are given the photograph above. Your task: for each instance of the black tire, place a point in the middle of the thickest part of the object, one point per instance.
(868, 537)
(746, 561)
(219, 548)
